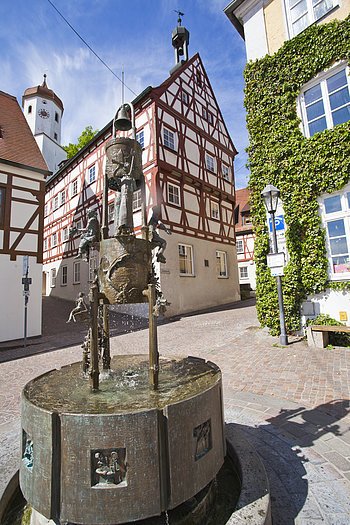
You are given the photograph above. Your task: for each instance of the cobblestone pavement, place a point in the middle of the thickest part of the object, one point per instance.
(292, 403)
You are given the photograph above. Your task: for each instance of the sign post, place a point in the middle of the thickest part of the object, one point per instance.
(26, 281)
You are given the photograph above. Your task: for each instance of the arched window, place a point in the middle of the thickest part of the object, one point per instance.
(29, 109)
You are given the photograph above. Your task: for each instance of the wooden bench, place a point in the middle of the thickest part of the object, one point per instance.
(318, 335)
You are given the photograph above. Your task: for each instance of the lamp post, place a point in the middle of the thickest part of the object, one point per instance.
(270, 194)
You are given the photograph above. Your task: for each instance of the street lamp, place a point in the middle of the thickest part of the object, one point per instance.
(270, 194)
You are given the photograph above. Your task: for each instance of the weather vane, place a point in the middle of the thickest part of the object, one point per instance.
(180, 15)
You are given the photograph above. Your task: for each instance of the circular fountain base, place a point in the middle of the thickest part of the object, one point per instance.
(126, 452)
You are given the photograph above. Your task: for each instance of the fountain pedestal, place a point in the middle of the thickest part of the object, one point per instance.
(125, 452)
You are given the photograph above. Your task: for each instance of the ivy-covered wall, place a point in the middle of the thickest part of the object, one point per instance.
(302, 168)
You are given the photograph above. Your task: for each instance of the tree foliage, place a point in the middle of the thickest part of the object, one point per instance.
(302, 168)
(86, 135)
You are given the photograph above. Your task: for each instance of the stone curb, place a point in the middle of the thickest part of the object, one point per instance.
(253, 507)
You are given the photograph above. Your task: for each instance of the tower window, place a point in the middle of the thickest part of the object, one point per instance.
(56, 116)
(29, 109)
(55, 136)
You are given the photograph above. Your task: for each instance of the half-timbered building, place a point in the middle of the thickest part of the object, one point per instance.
(188, 169)
(245, 241)
(22, 195)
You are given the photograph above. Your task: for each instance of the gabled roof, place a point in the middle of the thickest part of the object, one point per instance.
(150, 92)
(17, 144)
(167, 82)
(44, 92)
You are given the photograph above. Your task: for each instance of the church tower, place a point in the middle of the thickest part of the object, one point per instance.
(43, 110)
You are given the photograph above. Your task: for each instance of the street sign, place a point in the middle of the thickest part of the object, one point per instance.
(276, 262)
(279, 223)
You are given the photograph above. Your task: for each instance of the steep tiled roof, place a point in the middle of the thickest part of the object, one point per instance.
(17, 143)
(242, 206)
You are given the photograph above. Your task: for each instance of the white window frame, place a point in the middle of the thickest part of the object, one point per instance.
(239, 246)
(215, 210)
(321, 79)
(173, 194)
(56, 202)
(92, 173)
(54, 240)
(53, 274)
(45, 245)
(46, 210)
(186, 256)
(140, 137)
(74, 188)
(62, 197)
(65, 234)
(137, 200)
(225, 170)
(210, 163)
(76, 272)
(310, 12)
(245, 270)
(221, 264)
(344, 215)
(169, 138)
(64, 275)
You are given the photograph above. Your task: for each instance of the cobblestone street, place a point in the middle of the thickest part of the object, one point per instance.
(291, 403)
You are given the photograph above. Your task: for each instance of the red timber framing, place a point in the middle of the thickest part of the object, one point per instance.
(23, 216)
(199, 131)
(248, 252)
(197, 134)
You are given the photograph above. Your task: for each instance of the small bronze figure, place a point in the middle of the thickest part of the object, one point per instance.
(157, 241)
(90, 235)
(80, 308)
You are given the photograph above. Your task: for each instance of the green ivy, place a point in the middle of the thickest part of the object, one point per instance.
(302, 168)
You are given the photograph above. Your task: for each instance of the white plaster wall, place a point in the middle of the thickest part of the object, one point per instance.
(43, 125)
(255, 32)
(69, 291)
(11, 290)
(251, 279)
(52, 152)
(205, 289)
(330, 302)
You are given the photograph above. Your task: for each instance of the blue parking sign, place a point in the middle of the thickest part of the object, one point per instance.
(279, 223)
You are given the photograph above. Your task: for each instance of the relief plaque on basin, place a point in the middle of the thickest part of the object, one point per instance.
(124, 270)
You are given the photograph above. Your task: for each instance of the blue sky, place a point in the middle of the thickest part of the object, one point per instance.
(135, 34)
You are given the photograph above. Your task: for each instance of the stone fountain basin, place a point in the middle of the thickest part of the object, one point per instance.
(126, 452)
